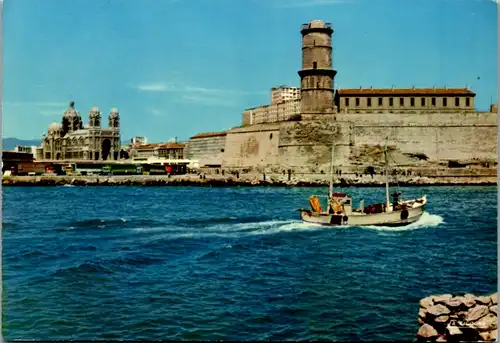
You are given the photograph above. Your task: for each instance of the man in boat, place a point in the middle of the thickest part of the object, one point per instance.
(335, 206)
(395, 201)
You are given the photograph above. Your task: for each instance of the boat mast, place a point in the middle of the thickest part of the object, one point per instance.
(386, 177)
(330, 193)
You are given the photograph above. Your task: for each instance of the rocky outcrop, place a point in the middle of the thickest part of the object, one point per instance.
(458, 318)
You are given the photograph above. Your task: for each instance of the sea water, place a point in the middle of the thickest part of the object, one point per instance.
(232, 263)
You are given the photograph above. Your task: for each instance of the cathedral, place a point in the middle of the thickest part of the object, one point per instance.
(71, 140)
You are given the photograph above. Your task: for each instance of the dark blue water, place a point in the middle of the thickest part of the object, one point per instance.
(231, 264)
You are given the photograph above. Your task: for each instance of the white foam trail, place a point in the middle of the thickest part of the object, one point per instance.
(245, 226)
(285, 226)
(426, 220)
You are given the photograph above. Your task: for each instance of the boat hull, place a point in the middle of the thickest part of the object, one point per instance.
(393, 218)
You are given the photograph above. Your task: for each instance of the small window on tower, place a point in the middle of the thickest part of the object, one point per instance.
(467, 102)
(422, 101)
(445, 102)
(315, 65)
(433, 101)
(412, 102)
(391, 102)
(347, 102)
(357, 101)
(380, 101)
(369, 102)
(457, 102)
(401, 101)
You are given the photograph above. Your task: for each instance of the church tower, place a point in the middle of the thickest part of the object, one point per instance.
(317, 93)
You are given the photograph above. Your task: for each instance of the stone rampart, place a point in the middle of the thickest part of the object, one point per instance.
(255, 146)
(420, 140)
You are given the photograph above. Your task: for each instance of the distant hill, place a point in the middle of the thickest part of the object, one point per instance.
(11, 142)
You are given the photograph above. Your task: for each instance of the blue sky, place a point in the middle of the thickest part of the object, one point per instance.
(175, 68)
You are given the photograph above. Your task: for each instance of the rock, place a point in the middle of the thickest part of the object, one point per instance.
(442, 319)
(487, 323)
(462, 314)
(470, 300)
(494, 298)
(476, 313)
(427, 331)
(456, 303)
(438, 310)
(453, 331)
(442, 299)
(422, 313)
(494, 309)
(441, 338)
(483, 300)
(426, 302)
(489, 335)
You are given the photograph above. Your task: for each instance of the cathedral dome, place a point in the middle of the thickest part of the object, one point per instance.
(94, 112)
(54, 127)
(114, 113)
(70, 112)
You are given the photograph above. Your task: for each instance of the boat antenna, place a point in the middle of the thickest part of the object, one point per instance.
(386, 177)
(330, 193)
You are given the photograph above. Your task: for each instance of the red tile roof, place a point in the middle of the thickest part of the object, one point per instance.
(406, 91)
(209, 134)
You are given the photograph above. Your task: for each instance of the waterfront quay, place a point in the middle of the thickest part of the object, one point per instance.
(244, 179)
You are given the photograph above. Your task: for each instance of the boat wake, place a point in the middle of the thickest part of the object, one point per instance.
(228, 229)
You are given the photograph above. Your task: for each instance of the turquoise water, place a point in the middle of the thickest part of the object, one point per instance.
(231, 263)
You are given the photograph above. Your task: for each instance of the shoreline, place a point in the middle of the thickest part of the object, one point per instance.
(231, 181)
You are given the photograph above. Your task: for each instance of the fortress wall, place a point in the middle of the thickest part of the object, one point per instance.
(306, 145)
(252, 146)
(436, 142)
(207, 150)
(422, 119)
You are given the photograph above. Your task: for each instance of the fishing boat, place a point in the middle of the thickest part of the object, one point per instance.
(340, 210)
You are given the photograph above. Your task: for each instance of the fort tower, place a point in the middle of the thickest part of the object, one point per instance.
(317, 94)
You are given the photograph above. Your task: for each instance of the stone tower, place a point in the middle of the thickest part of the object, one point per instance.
(95, 117)
(114, 119)
(317, 94)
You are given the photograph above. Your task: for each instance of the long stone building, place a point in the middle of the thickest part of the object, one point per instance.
(428, 126)
(71, 140)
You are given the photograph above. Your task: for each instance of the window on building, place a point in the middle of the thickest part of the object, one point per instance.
(357, 101)
(457, 102)
(380, 101)
(347, 102)
(422, 101)
(401, 101)
(445, 102)
(369, 102)
(467, 102)
(315, 65)
(412, 102)
(391, 102)
(433, 101)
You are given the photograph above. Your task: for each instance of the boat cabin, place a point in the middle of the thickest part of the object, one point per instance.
(340, 203)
